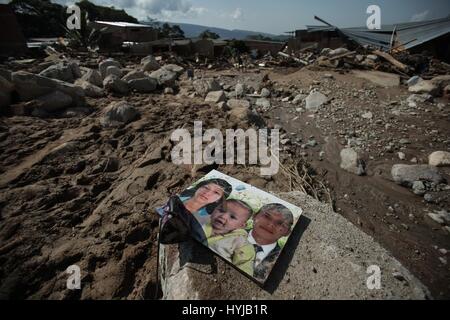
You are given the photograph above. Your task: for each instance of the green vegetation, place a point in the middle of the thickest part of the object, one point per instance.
(207, 34)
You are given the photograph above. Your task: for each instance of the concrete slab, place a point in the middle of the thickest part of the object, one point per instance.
(326, 257)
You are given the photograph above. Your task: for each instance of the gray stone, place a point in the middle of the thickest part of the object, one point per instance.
(215, 97)
(337, 52)
(93, 77)
(414, 99)
(351, 162)
(425, 86)
(174, 68)
(113, 70)
(265, 93)
(59, 71)
(105, 64)
(240, 89)
(135, 74)
(168, 90)
(118, 113)
(204, 86)
(315, 100)
(115, 84)
(407, 174)
(439, 159)
(238, 103)
(90, 90)
(339, 247)
(55, 101)
(299, 98)
(164, 77)
(150, 64)
(441, 217)
(367, 115)
(223, 106)
(263, 103)
(419, 188)
(143, 85)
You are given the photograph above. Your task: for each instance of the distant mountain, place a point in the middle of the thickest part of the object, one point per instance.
(193, 30)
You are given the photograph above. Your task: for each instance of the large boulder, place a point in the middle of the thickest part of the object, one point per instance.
(439, 159)
(54, 101)
(204, 86)
(164, 77)
(119, 113)
(143, 85)
(315, 100)
(441, 81)
(351, 162)
(115, 84)
(407, 174)
(30, 86)
(134, 74)
(59, 71)
(174, 68)
(105, 64)
(149, 63)
(215, 97)
(93, 77)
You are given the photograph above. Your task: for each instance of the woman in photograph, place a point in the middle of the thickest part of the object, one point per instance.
(205, 197)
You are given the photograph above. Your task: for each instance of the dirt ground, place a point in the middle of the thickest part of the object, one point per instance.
(73, 192)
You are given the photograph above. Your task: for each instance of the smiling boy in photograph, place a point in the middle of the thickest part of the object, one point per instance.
(272, 222)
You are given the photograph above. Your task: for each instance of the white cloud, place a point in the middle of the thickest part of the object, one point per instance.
(420, 16)
(237, 14)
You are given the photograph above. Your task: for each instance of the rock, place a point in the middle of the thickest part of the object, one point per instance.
(299, 98)
(401, 156)
(6, 88)
(407, 174)
(441, 217)
(367, 115)
(215, 97)
(439, 159)
(168, 91)
(265, 93)
(325, 51)
(113, 70)
(240, 89)
(223, 106)
(441, 81)
(76, 112)
(236, 103)
(144, 85)
(55, 101)
(115, 84)
(413, 81)
(203, 86)
(105, 64)
(239, 113)
(372, 57)
(5, 74)
(337, 52)
(30, 86)
(419, 98)
(263, 103)
(118, 113)
(315, 100)
(164, 77)
(425, 86)
(59, 71)
(135, 74)
(90, 90)
(351, 162)
(149, 63)
(93, 77)
(419, 188)
(174, 68)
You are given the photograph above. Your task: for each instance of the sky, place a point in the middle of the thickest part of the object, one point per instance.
(278, 16)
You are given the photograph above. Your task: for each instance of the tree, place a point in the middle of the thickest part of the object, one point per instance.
(207, 34)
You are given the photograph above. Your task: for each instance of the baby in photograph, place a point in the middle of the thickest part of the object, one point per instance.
(226, 235)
